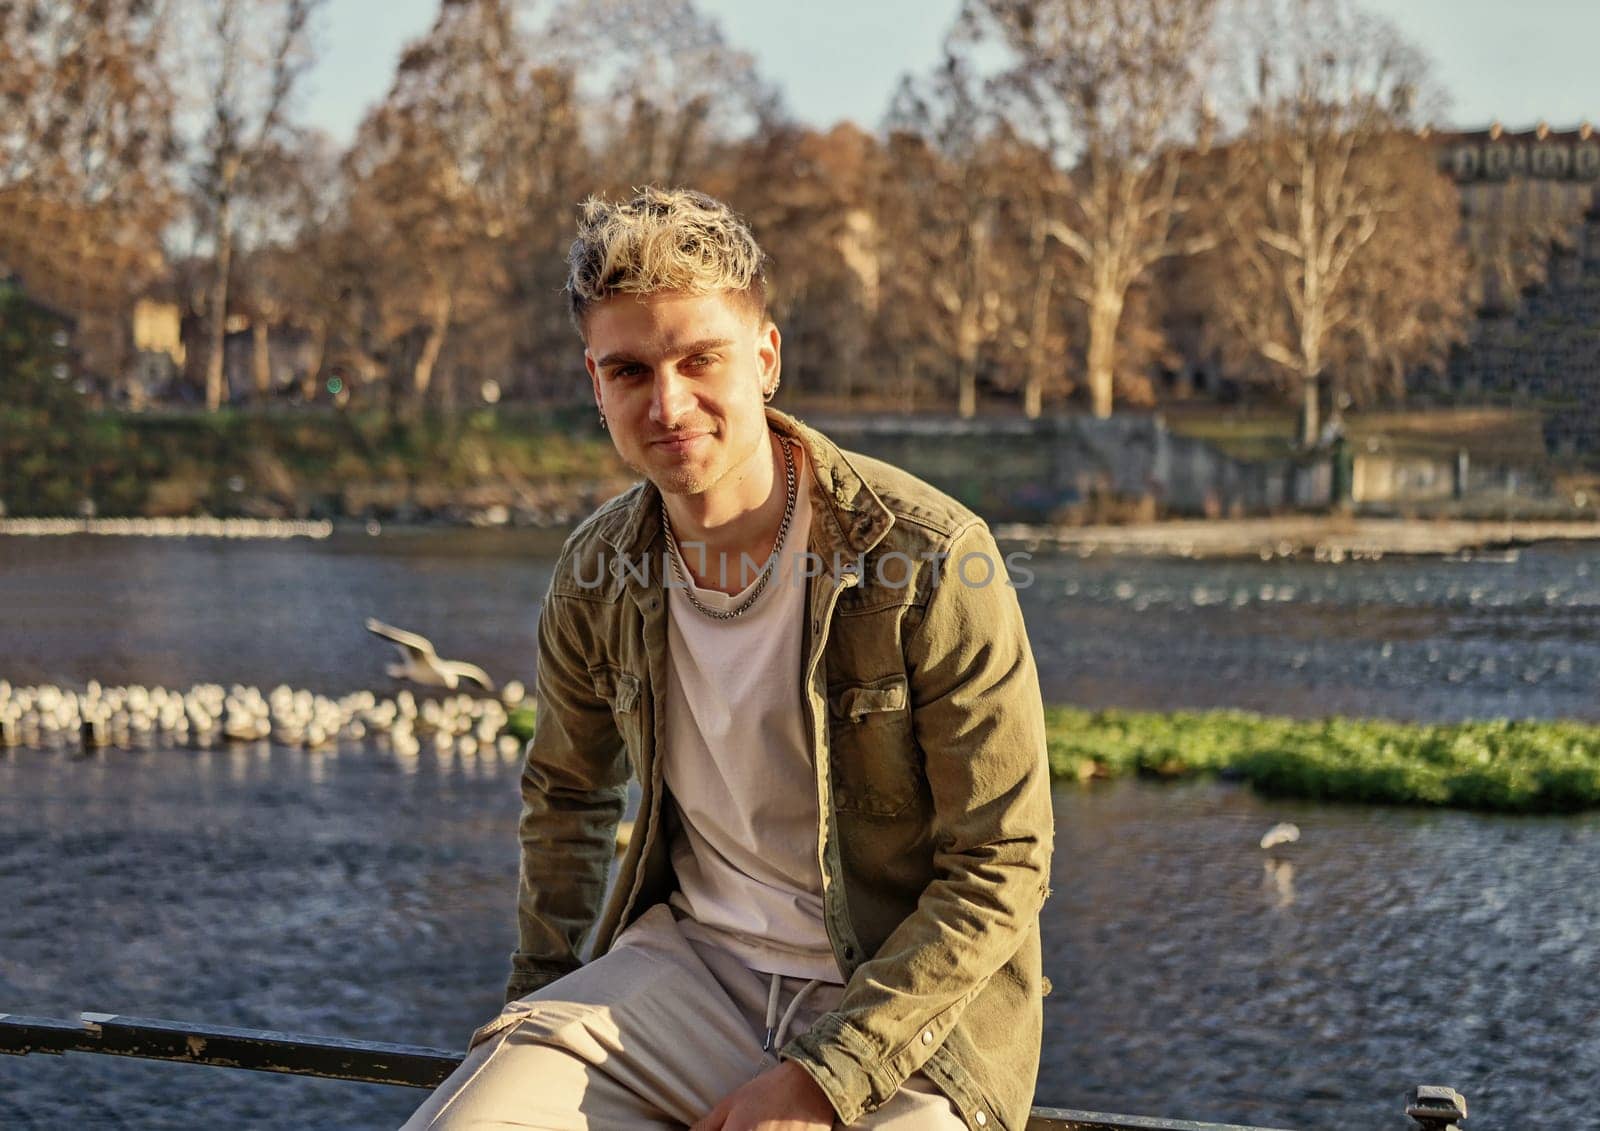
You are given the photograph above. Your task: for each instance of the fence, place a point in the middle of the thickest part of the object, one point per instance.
(1430, 1108)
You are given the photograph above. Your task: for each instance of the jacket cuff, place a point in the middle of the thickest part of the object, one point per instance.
(528, 977)
(841, 1061)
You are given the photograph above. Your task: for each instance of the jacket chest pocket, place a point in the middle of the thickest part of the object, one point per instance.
(874, 764)
(620, 690)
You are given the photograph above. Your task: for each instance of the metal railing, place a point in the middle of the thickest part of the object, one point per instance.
(414, 1066)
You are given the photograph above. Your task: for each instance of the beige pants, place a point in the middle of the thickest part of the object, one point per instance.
(650, 1036)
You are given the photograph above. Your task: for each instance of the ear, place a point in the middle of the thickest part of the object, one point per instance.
(594, 378)
(769, 355)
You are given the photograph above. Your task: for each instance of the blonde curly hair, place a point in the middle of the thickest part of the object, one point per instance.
(663, 240)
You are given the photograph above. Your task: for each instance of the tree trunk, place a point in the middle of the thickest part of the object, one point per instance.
(218, 304)
(260, 360)
(967, 361)
(908, 382)
(422, 373)
(971, 329)
(1033, 388)
(1309, 410)
(313, 374)
(1105, 315)
(967, 384)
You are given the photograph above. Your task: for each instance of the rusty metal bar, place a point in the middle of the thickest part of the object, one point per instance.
(415, 1066)
(1065, 1119)
(262, 1050)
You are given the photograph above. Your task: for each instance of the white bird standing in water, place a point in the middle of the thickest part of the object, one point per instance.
(1284, 832)
(421, 664)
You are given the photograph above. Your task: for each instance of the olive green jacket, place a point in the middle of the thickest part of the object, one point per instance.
(928, 735)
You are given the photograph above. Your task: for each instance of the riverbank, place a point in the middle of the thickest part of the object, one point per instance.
(526, 466)
(513, 467)
(1331, 538)
(1495, 766)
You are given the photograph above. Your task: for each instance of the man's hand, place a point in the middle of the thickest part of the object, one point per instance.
(784, 1098)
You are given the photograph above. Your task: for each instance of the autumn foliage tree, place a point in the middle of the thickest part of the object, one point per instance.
(460, 181)
(87, 104)
(86, 144)
(810, 197)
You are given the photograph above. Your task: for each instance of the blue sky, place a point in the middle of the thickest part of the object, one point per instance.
(1518, 61)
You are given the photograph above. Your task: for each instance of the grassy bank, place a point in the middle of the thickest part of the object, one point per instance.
(1499, 766)
(1487, 434)
(1517, 767)
(306, 463)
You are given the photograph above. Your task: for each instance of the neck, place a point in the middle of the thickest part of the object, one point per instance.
(740, 518)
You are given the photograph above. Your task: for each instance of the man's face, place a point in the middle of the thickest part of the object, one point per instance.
(680, 379)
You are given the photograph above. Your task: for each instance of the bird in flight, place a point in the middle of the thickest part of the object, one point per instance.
(419, 663)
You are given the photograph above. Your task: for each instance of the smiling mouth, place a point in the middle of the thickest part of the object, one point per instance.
(679, 442)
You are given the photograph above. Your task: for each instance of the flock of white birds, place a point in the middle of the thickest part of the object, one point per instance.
(135, 718)
(196, 526)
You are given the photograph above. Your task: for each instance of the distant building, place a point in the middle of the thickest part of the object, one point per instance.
(1531, 213)
(275, 357)
(1523, 193)
(158, 349)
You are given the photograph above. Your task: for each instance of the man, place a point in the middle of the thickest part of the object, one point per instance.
(816, 668)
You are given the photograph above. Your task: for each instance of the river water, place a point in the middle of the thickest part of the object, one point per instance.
(355, 894)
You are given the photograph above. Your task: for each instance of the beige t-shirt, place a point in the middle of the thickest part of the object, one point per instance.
(739, 769)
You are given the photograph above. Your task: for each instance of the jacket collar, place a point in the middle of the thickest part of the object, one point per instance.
(853, 518)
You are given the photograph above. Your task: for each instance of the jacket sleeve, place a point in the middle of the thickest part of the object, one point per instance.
(574, 777)
(978, 720)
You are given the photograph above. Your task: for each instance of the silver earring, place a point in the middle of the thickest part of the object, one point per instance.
(772, 392)
(603, 419)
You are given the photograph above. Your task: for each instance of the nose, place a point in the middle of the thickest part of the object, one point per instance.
(671, 398)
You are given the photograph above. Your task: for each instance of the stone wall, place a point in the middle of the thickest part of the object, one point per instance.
(1064, 467)
(1131, 467)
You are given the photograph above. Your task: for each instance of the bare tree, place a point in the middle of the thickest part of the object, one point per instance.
(1031, 347)
(296, 265)
(941, 209)
(249, 55)
(1109, 87)
(1342, 253)
(671, 88)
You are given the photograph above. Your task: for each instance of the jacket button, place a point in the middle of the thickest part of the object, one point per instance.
(927, 1036)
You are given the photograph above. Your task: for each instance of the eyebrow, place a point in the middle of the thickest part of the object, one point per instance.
(702, 346)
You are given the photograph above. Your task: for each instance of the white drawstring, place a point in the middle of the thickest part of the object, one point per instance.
(772, 1011)
(777, 1028)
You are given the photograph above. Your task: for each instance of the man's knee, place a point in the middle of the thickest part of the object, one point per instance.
(505, 1081)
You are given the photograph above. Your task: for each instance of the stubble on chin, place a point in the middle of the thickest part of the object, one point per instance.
(678, 480)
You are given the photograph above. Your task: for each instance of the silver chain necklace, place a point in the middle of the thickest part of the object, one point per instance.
(772, 558)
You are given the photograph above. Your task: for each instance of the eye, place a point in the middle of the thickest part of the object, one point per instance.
(626, 371)
(700, 361)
